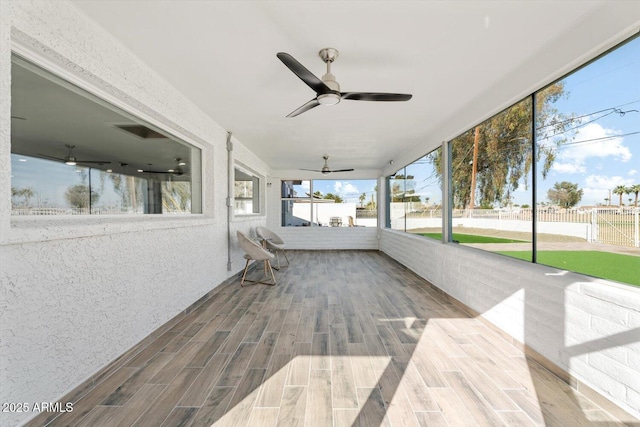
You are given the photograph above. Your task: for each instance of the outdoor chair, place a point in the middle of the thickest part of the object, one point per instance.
(273, 242)
(255, 252)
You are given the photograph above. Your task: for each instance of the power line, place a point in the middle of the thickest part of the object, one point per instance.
(617, 107)
(603, 138)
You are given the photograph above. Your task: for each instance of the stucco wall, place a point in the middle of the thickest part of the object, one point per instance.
(75, 293)
(588, 327)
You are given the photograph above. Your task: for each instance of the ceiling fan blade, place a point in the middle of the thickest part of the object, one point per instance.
(375, 96)
(306, 107)
(342, 170)
(99, 162)
(312, 170)
(146, 171)
(305, 75)
(50, 157)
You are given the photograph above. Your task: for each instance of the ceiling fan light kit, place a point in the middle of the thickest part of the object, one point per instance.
(327, 89)
(72, 160)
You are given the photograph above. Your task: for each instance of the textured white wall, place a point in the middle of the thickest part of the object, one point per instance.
(588, 327)
(77, 293)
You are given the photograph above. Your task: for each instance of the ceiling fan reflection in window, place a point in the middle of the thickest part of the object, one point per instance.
(176, 170)
(72, 160)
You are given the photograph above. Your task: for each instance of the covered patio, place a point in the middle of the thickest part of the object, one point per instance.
(138, 138)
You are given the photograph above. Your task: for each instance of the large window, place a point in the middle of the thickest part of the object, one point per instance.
(415, 196)
(567, 196)
(75, 154)
(329, 203)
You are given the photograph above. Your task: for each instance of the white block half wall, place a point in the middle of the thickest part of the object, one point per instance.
(588, 327)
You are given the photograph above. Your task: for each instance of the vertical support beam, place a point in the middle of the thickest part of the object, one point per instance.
(90, 191)
(384, 217)
(230, 187)
(474, 169)
(534, 183)
(446, 192)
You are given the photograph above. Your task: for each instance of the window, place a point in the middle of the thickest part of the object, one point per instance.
(329, 203)
(588, 175)
(583, 174)
(296, 203)
(246, 192)
(346, 203)
(491, 192)
(75, 154)
(415, 197)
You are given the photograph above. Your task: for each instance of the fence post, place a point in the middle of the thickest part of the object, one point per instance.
(636, 227)
(594, 225)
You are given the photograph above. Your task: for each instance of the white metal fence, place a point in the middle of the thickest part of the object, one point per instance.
(613, 226)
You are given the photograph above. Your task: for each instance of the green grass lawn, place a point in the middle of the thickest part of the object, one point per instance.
(471, 238)
(618, 267)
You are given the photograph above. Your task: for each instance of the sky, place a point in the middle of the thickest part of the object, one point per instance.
(349, 190)
(605, 150)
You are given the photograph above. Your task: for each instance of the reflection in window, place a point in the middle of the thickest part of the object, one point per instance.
(246, 193)
(75, 154)
(329, 203)
(587, 213)
(415, 196)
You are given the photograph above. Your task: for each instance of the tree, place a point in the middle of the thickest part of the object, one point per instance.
(78, 196)
(565, 194)
(176, 196)
(504, 155)
(635, 189)
(620, 190)
(335, 197)
(26, 193)
(362, 198)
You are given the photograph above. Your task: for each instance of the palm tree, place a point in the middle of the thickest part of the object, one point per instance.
(620, 190)
(635, 189)
(363, 196)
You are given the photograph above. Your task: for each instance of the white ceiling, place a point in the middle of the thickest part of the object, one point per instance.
(222, 56)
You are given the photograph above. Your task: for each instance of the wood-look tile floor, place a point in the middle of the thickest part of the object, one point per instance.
(346, 338)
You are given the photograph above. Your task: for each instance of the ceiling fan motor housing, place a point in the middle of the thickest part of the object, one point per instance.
(331, 98)
(329, 55)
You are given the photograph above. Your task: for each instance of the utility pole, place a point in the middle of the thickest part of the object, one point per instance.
(474, 168)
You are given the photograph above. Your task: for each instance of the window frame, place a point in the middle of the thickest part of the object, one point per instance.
(44, 228)
(261, 187)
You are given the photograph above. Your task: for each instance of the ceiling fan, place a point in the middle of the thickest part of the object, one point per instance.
(326, 170)
(177, 170)
(328, 90)
(72, 160)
